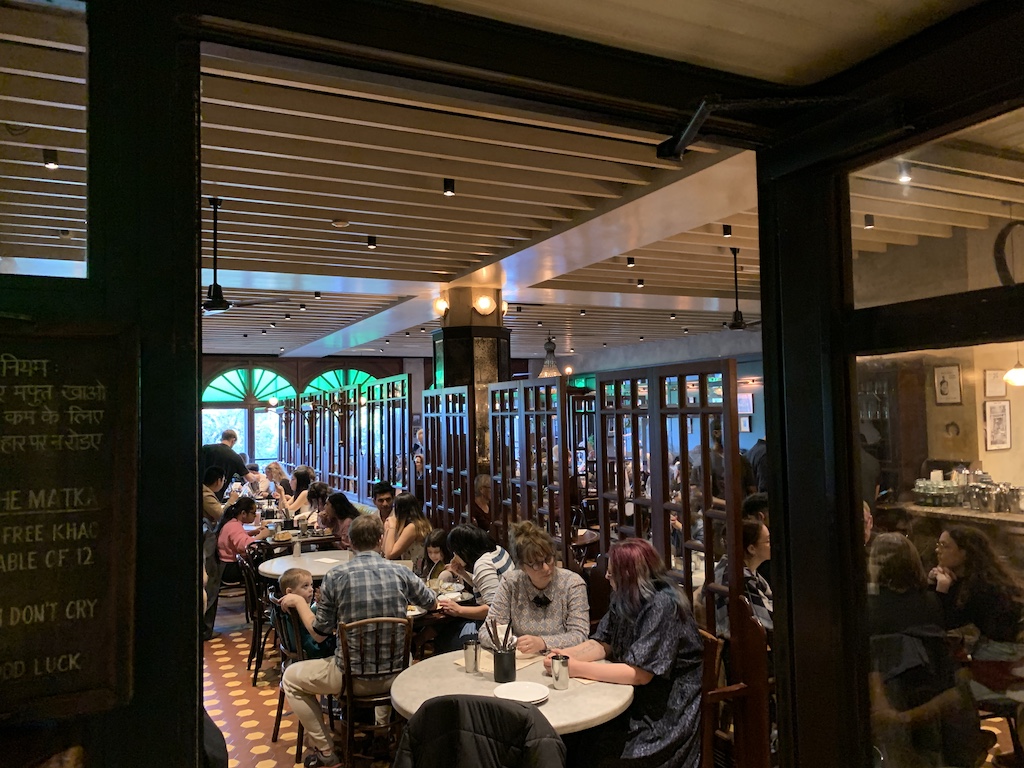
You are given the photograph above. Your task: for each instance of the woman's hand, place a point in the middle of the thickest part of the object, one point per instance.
(531, 644)
(943, 578)
(456, 567)
(547, 659)
(263, 533)
(449, 607)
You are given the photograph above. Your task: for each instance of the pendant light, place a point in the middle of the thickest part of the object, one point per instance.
(550, 364)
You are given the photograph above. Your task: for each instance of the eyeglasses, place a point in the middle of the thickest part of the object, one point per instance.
(549, 560)
(944, 544)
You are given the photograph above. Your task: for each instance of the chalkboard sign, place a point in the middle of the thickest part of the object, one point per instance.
(68, 442)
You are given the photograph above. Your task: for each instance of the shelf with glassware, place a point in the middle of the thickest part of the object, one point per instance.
(891, 409)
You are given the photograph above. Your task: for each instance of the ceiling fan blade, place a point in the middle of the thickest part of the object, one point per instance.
(258, 302)
(753, 324)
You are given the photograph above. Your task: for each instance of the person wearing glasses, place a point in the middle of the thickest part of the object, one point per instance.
(547, 606)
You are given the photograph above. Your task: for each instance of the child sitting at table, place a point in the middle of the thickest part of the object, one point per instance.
(437, 556)
(297, 592)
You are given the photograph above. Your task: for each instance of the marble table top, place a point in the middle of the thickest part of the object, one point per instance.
(317, 563)
(581, 706)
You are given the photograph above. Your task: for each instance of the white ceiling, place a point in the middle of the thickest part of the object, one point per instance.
(795, 42)
(548, 209)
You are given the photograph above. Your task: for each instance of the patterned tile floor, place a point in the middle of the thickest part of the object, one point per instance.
(245, 714)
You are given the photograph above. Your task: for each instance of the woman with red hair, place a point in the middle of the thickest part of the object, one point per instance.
(648, 639)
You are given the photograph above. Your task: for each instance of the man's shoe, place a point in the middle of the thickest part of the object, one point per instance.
(319, 759)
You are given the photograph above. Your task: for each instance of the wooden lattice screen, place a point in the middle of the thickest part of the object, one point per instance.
(387, 433)
(449, 427)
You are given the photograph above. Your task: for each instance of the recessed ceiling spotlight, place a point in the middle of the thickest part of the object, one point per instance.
(302, 307)
(639, 282)
(381, 349)
(904, 176)
(869, 221)
(339, 223)
(406, 333)
(264, 332)
(519, 309)
(281, 349)
(583, 313)
(540, 323)
(387, 341)
(316, 294)
(245, 335)
(371, 242)
(672, 316)
(641, 338)
(273, 325)
(686, 330)
(287, 316)
(50, 161)
(630, 262)
(572, 349)
(605, 344)
(449, 187)
(725, 324)
(727, 230)
(423, 330)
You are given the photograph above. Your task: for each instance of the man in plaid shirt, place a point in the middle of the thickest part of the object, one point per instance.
(366, 587)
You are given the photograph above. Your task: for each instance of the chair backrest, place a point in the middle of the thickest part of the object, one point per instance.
(289, 636)
(474, 730)
(710, 708)
(599, 591)
(255, 590)
(375, 648)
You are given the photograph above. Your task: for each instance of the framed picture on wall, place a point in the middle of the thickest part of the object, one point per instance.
(997, 425)
(745, 403)
(947, 385)
(744, 423)
(995, 386)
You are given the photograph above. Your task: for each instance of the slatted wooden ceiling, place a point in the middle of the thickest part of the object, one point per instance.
(291, 146)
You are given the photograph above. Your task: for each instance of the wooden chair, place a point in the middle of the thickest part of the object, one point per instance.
(289, 645)
(257, 606)
(599, 591)
(375, 651)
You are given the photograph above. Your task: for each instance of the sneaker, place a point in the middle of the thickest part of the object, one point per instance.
(319, 758)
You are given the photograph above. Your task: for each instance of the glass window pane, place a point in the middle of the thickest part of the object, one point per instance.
(266, 448)
(43, 146)
(939, 219)
(941, 478)
(216, 420)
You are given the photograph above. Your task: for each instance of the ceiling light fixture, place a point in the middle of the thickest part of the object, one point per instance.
(371, 242)
(339, 223)
(904, 176)
(550, 367)
(1015, 376)
(519, 308)
(441, 306)
(639, 282)
(281, 349)
(387, 341)
(869, 221)
(316, 295)
(485, 304)
(245, 335)
(50, 162)
(641, 338)
(686, 331)
(302, 307)
(583, 313)
(264, 332)
(727, 230)
(423, 330)
(287, 316)
(381, 349)
(273, 325)
(406, 333)
(449, 187)
(630, 262)
(572, 350)
(672, 316)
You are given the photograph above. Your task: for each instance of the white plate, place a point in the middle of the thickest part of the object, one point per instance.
(413, 611)
(459, 597)
(530, 693)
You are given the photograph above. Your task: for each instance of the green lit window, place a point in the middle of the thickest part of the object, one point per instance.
(242, 385)
(331, 381)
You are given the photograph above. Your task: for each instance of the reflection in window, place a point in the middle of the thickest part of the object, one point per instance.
(43, 139)
(942, 481)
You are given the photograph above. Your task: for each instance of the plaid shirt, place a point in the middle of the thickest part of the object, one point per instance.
(756, 590)
(367, 587)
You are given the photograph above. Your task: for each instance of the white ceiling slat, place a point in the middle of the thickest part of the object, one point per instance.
(63, 251)
(42, 116)
(959, 160)
(959, 185)
(356, 252)
(437, 122)
(895, 210)
(335, 180)
(43, 29)
(293, 147)
(893, 192)
(35, 138)
(44, 92)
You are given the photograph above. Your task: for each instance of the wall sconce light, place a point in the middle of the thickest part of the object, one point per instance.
(568, 370)
(441, 306)
(504, 308)
(485, 304)
(272, 401)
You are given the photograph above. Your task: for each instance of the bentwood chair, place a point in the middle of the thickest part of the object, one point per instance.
(375, 651)
(257, 605)
(289, 645)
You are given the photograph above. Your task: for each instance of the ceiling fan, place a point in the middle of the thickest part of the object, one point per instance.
(215, 302)
(738, 323)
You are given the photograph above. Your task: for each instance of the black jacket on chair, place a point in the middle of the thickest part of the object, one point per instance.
(480, 731)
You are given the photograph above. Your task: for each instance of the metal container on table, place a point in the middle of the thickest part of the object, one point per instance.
(1015, 497)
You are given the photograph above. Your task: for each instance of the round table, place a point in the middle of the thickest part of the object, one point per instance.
(317, 563)
(577, 708)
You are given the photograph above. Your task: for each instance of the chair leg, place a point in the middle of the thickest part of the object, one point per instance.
(257, 633)
(277, 717)
(330, 710)
(263, 637)
(298, 744)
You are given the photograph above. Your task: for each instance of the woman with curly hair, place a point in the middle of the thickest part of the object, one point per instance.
(974, 587)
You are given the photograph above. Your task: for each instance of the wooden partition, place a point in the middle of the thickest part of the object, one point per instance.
(386, 433)
(347, 462)
(449, 427)
(582, 422)
(287, 440)
(530, 457)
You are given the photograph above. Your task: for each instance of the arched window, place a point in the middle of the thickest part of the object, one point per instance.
(237, 399)
(330, 381)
